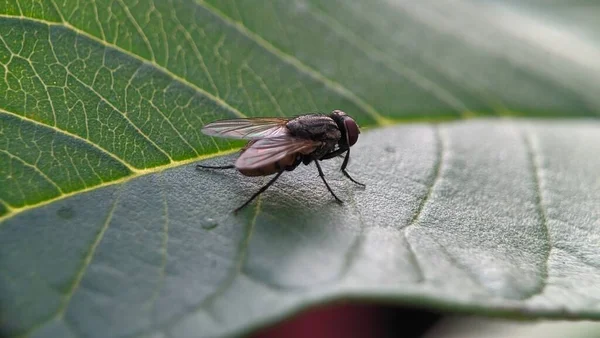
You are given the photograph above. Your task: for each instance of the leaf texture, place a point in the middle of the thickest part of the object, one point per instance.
(107, 229)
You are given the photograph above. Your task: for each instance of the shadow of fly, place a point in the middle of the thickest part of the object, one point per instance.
(278, 144)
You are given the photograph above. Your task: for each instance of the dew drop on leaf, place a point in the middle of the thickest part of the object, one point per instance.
(209, 223)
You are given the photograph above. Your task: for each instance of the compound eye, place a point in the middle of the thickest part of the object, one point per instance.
(352, 131)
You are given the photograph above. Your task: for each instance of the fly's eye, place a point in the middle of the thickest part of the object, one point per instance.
(352, 131)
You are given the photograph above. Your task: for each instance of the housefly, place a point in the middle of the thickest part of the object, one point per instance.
(278, 144)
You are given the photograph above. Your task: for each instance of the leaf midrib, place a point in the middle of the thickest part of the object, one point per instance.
(12, 212)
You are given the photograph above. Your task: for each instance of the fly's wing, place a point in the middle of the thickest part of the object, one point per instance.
(270, 150)
(249, 129)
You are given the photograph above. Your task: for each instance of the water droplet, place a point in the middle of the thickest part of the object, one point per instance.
(209, 223)
(65, 212)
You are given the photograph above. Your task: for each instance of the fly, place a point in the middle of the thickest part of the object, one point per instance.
(278, 144)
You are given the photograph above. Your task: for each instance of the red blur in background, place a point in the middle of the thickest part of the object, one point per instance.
(353, 321)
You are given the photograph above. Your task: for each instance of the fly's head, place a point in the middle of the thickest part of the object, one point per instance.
(347, 126)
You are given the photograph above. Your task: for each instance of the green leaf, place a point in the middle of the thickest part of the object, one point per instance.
(107, 229)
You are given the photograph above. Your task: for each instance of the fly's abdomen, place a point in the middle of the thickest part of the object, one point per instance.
(287, 162)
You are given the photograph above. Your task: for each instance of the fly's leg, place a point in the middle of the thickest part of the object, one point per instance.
(335, 153)
(200, 166)
(344, 165)
(327, 185)
(260, 191)
(338, 153)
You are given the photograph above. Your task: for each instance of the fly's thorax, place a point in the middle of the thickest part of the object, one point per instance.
(315, 127)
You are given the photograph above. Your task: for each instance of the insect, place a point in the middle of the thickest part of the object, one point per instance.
(278, 144)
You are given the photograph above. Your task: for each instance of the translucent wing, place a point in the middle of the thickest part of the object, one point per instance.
(269, 150)
(249, 129)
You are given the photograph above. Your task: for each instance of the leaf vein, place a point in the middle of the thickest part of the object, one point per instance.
(97, 18)
(75, 167)
(237, 270)
(445, 253)
(133, 125)
(90, 255)
(291, 60)
(392, 64)
(218, 101)
(35, 168)
(139, 29)
(535, 166)
(175, 129)
(60, 311)
(68, 134)
(352, 251)
(138, 173)
(265, 88)
(436, 175)
(412, 257)
(197, 53)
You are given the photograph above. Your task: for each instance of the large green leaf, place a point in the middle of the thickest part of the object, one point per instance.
(108, 230)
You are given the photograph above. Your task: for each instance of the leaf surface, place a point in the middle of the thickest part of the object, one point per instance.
(106, 228)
